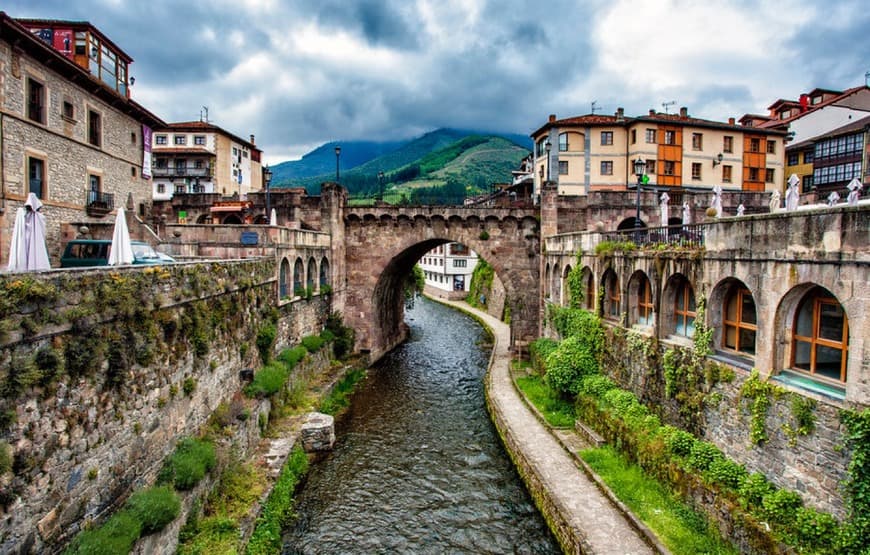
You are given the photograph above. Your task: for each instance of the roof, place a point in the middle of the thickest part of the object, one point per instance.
(783, 102)
(13, 32)
(813, 107)
(204, 126)
(585, 120)
(856, 125)
(75, 25)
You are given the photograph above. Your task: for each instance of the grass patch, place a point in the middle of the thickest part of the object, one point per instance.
(338, 398)
(558, 412)
(677, 525)
(214, 535)
(188, 464)
(278, 508)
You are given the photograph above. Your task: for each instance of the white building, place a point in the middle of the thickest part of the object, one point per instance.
(448, 270)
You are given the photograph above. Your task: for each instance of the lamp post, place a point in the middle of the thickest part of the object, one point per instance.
(337, 155)
(267, 180)
(639, 171)
(548, 146)
(380, 186)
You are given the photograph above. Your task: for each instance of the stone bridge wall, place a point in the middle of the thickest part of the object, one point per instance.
(103, 371)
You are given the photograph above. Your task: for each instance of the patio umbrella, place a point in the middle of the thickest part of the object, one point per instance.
(273, 218)
(121, 251)
(28, 251)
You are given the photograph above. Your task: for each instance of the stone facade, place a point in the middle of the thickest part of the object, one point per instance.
(83, 439)
(778, 258)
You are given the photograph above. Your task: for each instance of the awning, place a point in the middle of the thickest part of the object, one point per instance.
(227, 208)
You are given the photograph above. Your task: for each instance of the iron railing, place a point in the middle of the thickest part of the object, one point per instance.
(101, 200)
(689, 235)
(172, 171)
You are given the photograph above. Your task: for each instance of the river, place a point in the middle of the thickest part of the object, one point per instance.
(418, 466)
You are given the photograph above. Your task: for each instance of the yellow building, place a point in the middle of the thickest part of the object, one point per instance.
(595, 152)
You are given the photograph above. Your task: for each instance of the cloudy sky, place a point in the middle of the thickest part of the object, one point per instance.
(300, 73)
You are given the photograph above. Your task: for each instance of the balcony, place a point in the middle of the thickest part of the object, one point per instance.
(181, 172)
(99, 204)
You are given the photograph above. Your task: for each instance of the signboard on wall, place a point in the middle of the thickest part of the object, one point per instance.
(63, 42)
(146, 152)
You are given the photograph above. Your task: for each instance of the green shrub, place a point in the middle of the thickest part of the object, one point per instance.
(277, 509)
(571, 361)
(678, 442)
(781, 506)
(575, 322)
(265, 339)
(155, 507)
(703, 454)
(753, 489)
(344, 336)
(117, 535)
(312, 343)
(726, 473)
(291, 357)
(5, 457)
(268, 380)
(596, 385)
(538, 352)
(327, 336)
(188, 464)
(812, 530)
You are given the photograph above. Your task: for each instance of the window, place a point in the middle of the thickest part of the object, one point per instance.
(651, 136)
(606, 138)
(633, 136)
(94, 188)
(726, 174)
(684, 310)
(696, 170)
(607, 167)
(563, 142)
(69, 111)
(771, 147)
(728, 144)
(808, 157)
(611, 295)
(460, 263)
(670, 137)
(132, 171)
(589, 292)
(644, 302)
(768, 175)
(669, 167)
(697, 141)
(820, 340)
(199, 140)
(785, 114)
(94, 128)
(753, 174)
(160, 139)
(244, 154)
(180, 139)
(36, 177)
(807, 184)
(541, 147)
(793, 159)
(563, 167)
(198, 164)
(35, 101)
(180, 163)
(161, 188)
(651, 167)
(754, 145)
(738, 321)
(160, 163)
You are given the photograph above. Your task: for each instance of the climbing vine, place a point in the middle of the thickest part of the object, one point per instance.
(858, 483)
(760, 394)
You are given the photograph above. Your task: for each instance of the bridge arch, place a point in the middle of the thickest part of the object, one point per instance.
(385, 243)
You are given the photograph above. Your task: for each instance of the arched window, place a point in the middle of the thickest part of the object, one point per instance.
(739, 321)
(566, 290)
(283, 284)
(556, 285)
(324, 272)
(820, 337)
(311, 281)
(547, 293)
(611, 295)
(644, 301)
(298, 277)
(589, 290)
(684, 310)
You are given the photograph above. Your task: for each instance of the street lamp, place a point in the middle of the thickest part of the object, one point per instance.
(337, 155)
(639, 171)
(380, 186)
(547, 146)
(267, 179)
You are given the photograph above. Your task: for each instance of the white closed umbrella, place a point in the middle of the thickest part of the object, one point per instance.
(792, 196)
(27, 250)
(273, 218)
(121, 251)
(664, 212)
(17, 248)
(717, 201)
(854, 187)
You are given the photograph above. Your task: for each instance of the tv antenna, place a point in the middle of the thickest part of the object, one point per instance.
(665, 105)
(594, 107)
(203, 114)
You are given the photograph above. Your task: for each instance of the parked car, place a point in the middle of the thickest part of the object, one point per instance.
(95, 252)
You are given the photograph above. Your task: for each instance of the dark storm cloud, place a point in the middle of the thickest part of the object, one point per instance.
(380, 22)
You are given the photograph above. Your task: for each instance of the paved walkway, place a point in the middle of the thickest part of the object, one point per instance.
(595, 523)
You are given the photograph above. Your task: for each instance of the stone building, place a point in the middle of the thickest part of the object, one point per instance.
(594, 152)
(69, 131)
(199, 157)
(448, 269)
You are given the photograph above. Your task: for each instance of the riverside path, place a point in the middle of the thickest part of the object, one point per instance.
(585, 520)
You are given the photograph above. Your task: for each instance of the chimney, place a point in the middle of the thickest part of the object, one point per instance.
(620, 114)
(652, 112)
(684, 113)
(252, 139)
(730, 121)
(552, 118)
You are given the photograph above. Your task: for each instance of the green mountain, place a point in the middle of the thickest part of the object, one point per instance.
(465, 161)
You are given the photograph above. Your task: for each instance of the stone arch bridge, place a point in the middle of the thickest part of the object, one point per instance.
(383, 243)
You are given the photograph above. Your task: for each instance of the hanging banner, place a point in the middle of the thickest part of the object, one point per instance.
(63, 42)
(146, 152)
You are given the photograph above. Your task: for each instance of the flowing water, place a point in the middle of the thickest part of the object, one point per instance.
(418, 466)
